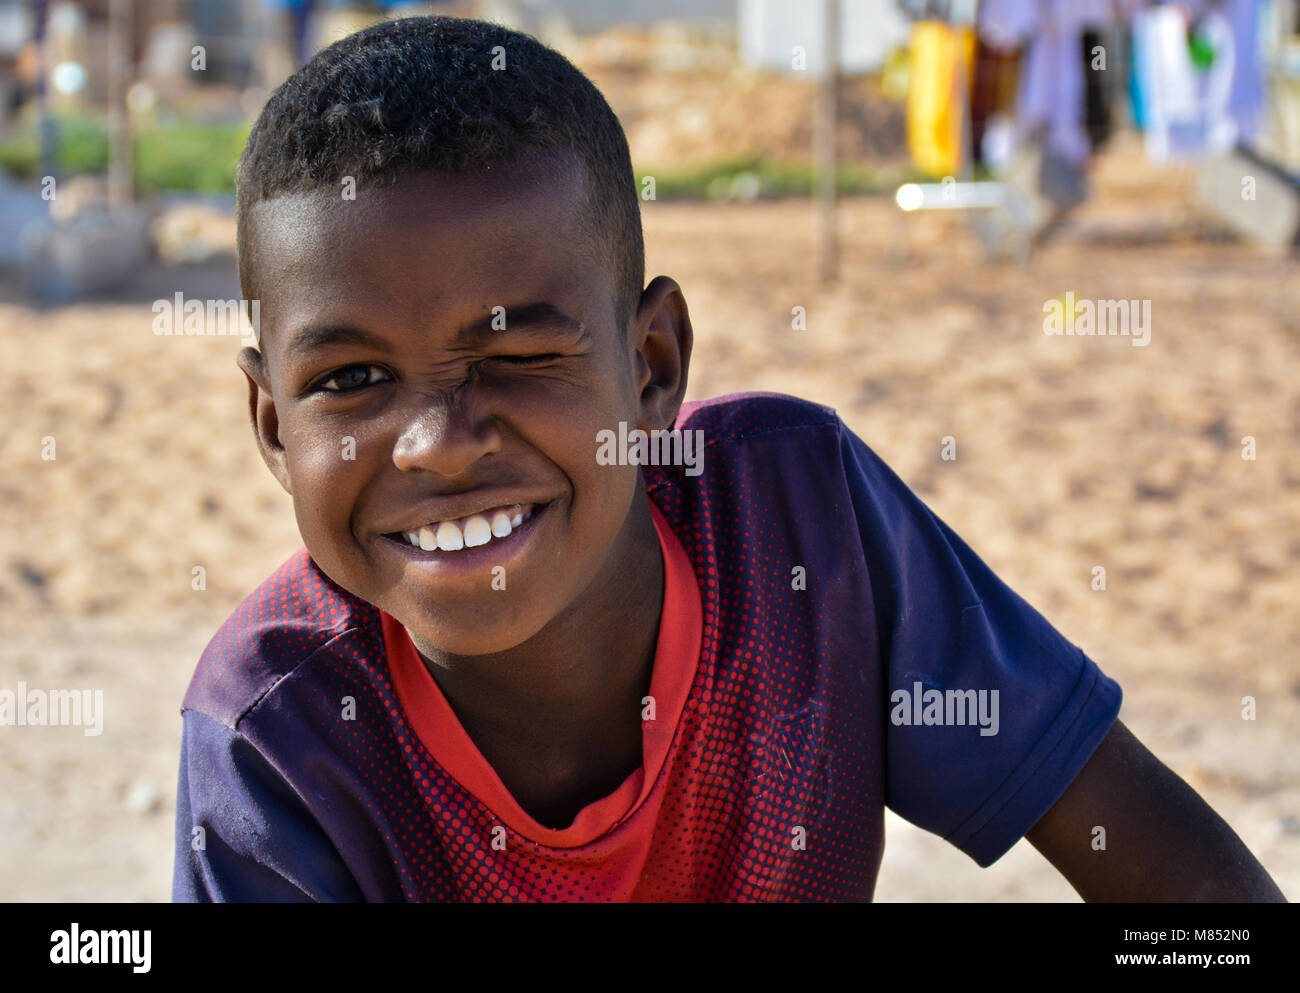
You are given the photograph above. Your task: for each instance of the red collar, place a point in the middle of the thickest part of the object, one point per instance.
(677, 657)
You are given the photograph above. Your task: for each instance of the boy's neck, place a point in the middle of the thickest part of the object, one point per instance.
(559, 717)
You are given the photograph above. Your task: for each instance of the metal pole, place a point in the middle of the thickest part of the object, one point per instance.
(119, 129)
(827, 114)
(45, 122)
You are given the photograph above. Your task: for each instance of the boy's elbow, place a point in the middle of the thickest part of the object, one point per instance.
(1128, 829)
(1224, 880)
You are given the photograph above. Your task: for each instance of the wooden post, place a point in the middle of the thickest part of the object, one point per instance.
(827, 114)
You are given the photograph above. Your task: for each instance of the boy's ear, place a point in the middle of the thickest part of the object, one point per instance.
(261, 411)
(663, 337)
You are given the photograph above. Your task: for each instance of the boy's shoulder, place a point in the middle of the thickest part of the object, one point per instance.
(287, 620)
(742, 447)
(737, 416)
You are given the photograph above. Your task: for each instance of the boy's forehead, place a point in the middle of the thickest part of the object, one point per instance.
(424, 238)
(526, 197)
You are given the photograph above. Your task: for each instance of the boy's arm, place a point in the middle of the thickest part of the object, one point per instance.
(1163, 842)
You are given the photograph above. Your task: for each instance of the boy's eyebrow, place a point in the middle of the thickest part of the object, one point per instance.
(322, 336)
(538, 317)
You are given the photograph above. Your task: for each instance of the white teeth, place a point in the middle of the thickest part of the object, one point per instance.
(477, 531)
(469, 532)
(450, 538)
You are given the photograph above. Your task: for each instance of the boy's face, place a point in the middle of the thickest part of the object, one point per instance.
(385, 398)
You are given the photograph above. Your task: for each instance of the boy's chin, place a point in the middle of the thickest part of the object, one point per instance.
(469, 639)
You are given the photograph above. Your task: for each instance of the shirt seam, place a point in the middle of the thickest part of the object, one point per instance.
(256, 701)
(666, 479)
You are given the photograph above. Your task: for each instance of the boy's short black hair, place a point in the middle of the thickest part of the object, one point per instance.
(421, 94)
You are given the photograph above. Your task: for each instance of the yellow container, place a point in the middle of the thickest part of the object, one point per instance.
(937, 92)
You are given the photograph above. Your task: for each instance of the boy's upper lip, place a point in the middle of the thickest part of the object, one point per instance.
(453, 508)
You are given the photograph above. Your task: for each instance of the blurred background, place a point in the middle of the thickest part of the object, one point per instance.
(868, 203)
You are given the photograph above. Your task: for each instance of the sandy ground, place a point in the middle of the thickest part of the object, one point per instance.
(1072, 453)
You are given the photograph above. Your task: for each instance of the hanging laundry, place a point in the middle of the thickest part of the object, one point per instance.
(1054, 101)
(1249, 21)
(1052, 94)
(1137, 107)
(1246, 101)
(1184, 80)
(941, 57)
(1051, 91)
(1007, 24)
(993, 100)
(1097, 59)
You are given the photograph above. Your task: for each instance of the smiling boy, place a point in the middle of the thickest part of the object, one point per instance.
(505, 667)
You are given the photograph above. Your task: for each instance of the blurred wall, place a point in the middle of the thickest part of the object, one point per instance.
(770, 29)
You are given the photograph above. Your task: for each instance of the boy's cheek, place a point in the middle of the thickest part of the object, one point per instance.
(323, 482)
(322, 456)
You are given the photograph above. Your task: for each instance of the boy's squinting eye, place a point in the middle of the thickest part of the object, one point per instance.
(347, 379)
(526, 359)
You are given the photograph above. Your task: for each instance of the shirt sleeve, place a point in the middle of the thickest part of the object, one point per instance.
(946, 623)
(242, 832)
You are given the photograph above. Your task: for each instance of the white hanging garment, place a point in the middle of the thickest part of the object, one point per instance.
(1187, 110)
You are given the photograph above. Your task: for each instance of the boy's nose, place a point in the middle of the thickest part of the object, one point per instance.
(445, 436)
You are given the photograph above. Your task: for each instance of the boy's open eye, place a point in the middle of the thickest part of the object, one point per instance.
(347, 379)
